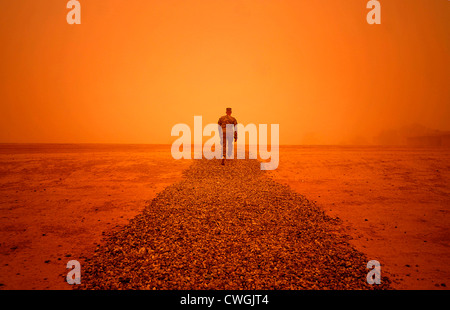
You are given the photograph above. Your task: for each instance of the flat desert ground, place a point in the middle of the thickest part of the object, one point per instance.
(58, 201)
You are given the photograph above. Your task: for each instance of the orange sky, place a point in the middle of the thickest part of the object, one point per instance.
(135, 68)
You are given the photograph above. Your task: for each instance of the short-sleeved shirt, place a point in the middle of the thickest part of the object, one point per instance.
(226, 119)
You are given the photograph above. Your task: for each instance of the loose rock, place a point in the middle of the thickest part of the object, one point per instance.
(228, 227)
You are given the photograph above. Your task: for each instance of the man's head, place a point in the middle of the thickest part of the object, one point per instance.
(228, 111)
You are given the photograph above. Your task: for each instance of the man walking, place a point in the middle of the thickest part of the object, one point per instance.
(227, 139)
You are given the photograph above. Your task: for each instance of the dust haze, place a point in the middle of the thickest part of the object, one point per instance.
(132, 70)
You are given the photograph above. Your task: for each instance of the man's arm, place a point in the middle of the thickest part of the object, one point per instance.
(235, 130)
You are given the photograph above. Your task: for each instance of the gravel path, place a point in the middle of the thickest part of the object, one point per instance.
(228, 227)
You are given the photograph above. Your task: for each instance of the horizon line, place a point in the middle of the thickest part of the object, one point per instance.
(192, 145)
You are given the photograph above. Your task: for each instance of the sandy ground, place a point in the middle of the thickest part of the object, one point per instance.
(395, 203)
(57, 200)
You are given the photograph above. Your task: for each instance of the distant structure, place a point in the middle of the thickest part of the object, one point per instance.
(436, 139)
(414, 135)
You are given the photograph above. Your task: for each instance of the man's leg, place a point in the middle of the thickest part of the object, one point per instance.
(224, 147)
(230, 147)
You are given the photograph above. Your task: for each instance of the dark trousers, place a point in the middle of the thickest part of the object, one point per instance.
(224, 141)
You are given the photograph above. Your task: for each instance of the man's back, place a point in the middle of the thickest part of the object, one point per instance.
(226, 119)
